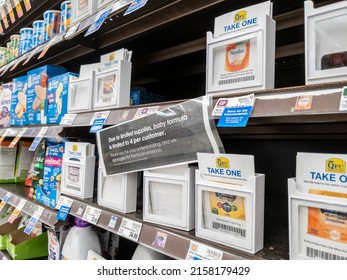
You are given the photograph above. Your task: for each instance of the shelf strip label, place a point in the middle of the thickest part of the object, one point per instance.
(16, 211)
(198, 251)
(130, 229)
(19, 9)
(33, 220)
(38, 138)
(64, 205)
(91, 215)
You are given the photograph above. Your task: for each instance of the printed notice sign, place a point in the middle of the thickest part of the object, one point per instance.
(234, 102)
(235, 117)
(170, 136)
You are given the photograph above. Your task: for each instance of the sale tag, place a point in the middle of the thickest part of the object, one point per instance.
(3, 136)
(130, 229)
(68, 119)
(27, 5)
(38, 138)
(33, 220)
(143, 112)
(19, 9)
(16, 211)
(19, 136)
(198, 251)
(10, 11)
(91, 215)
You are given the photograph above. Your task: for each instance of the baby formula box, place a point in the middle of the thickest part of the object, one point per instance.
(66, 10)
(52, 24)
(38, 26)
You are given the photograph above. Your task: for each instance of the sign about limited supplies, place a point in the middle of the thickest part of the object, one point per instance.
(170, 136)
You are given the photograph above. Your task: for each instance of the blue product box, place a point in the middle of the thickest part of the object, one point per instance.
(135, 97)
(57, 96)
(48, 193)
(18, 102)
(5, 104)
(37, 92)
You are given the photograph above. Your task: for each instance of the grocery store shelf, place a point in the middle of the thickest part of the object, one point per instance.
(31, 131)
(18, 192)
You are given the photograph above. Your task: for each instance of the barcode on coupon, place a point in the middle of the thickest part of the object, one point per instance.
(239, 231)
(317, 254)
(213, 253)
(236, 80)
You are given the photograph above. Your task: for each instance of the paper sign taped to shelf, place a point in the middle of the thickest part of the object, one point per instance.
(235, 117)
(38, 139)
(98, 121)
(143, 112)
(113, 221)
(18, 8)
(198, 251)
(233, 102)
(227, 168)
(98, 21)
(170, 136)
(135, 5)
(33, 220)
(343, 100)
(68, 119)
(18, 137)
(91, 215)
(16, 211)
(130, 229)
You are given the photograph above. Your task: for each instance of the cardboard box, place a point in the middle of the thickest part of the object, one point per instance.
(5, 231)
(5, 104)
(37, 92)
(18, 114)
(7, 162)
(23, 161)
(57, 97)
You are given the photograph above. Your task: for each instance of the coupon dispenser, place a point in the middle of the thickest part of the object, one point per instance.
(241, 52)
(169, 196)
(78, 170)
(325, 43)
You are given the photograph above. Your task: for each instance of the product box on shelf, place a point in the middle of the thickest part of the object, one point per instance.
(118, 192)
(18, 102)
(318, 207)
(49, 192)
(82, 9)
(57, 96)
(34, 179)
(7, 162)
(241, 51)
(176, 183)
(112, 83)
(5, 104)
(6, 229)
(80, 98)
(78, 169)
(230, 201)
(23, 161)
(325, 43)
(37, 92)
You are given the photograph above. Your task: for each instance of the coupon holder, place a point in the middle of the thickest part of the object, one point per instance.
(317, 225)
(118, 192)
(244, 232)
(325, 43)
(78, 170)
(81, 89)
(241, 52)
(112, 86)
(82, 9)
(169, 196)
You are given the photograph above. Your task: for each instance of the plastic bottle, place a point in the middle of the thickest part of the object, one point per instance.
(80, 239)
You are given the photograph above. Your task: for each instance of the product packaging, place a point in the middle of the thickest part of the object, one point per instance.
(66, 15)
(51, 24)
(5, 104)
(49, 192)
(57, 96)
(37, 92)
(7, 162)
(23, 161)
(26, 37)
(53, 245)
(38, 33)
(18, 114)
(37, 174)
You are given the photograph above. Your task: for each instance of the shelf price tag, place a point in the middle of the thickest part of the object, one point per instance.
(4, 17)
(135, 5)
(33, 220)
(68, 119)
(8, 66)
(5, 200)
(19, 9)
(72, 31)
(130, 229)
(18, 137)
(38, 138)
(143, 112)
(30, 55)
(98, 121)
(16, 211)
(47, 47)
(10, 11)
(27, 5)
(98, 21)
(3, 136)
(91, 215)
(198, 251)
(17, 61)
(233, 102)
(64, 205)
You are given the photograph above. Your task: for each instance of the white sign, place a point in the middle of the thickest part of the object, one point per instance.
(198, 251)
(130, 229)
(227, 168)
(142, 112)
(235, 102)
(99, 115)
(68, 119)
(64, 201)
(91, 215)
(16, 211)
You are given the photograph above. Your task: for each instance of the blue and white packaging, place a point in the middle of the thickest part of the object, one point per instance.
(57, 96)
(39, 29)
(5, 104)
(37, 92)
(18, 101)
(48, 193)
